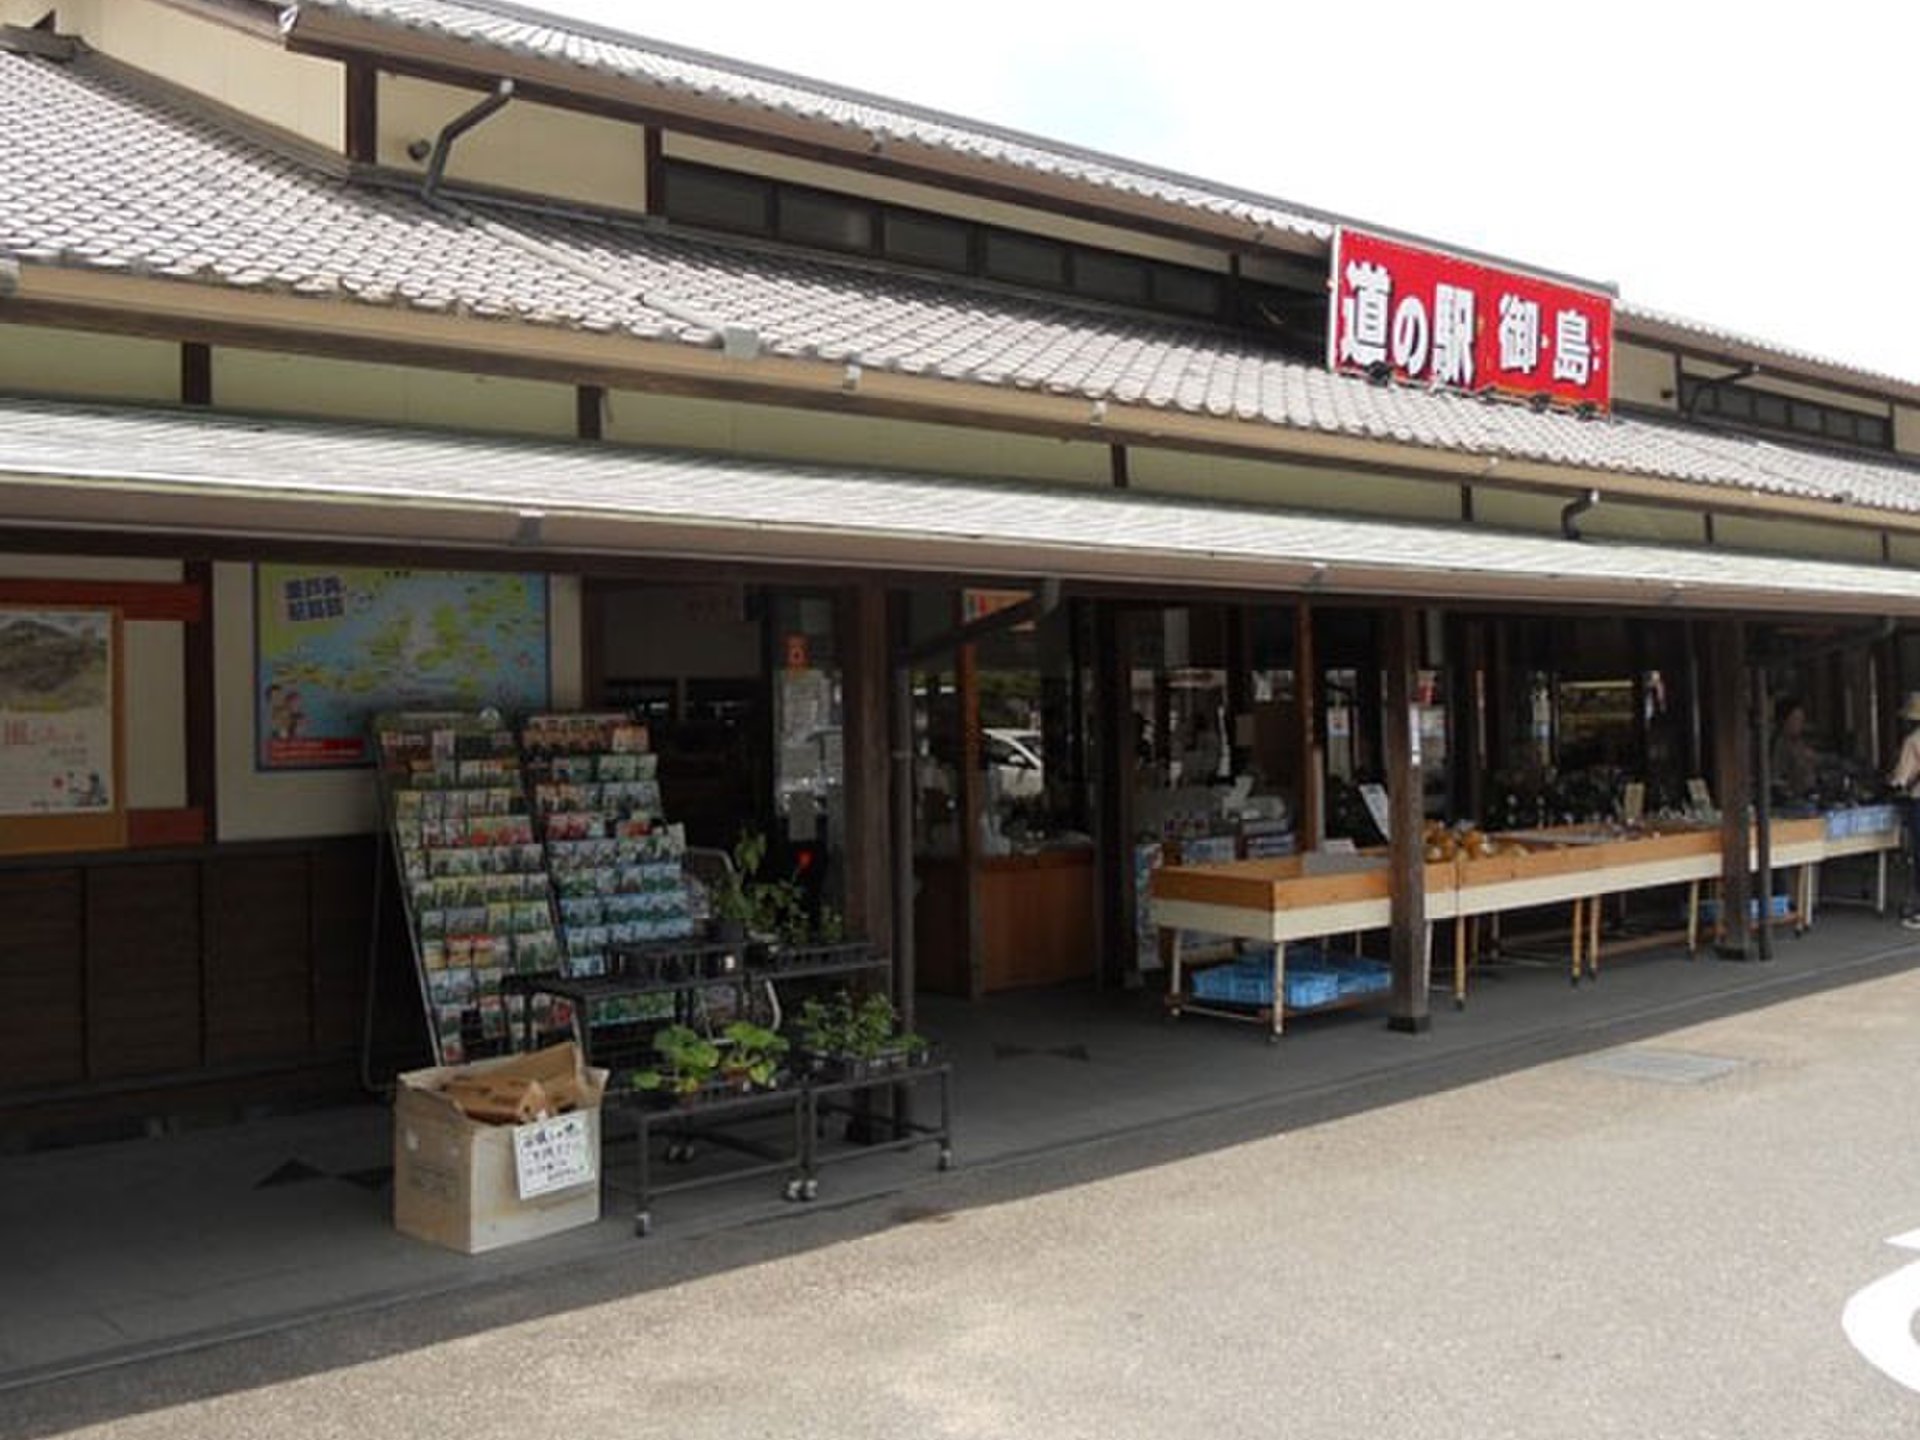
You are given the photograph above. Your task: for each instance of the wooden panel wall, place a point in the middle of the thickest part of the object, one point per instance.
(131, 986)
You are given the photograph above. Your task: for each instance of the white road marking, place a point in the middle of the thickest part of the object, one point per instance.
(1879, 1319)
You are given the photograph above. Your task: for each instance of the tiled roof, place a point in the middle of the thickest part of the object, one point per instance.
(103, 172)
(99, 172)
(536, 35)
(251, 470)
(1643, 319)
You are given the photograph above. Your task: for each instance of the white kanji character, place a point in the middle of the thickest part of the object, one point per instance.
(1363, 314)
(1519, 334)
(1452, 335)
(1572, 347)
(1410, 335)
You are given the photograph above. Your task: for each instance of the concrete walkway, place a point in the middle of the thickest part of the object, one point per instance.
(124, 1251)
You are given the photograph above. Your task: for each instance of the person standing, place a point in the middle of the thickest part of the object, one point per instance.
(1795, 766)
(1905, 780)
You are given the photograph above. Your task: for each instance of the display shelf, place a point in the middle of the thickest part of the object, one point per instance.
(473, 881)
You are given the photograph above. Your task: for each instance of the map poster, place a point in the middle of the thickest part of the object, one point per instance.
(57, 741)
(334, 645)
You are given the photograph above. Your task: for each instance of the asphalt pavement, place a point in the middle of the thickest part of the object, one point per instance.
(1656, 1240)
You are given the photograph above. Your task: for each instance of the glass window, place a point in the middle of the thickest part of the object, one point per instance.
(1110, 277)
(1025, 260)
(926, 240)
(1840, 425)
(1770, 409)
(1735, 403)
(1872, 430)
(718, 199)
(1192, 292)
(810, 217)
(1806, 418)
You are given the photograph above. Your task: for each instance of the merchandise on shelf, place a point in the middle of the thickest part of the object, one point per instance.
(617, 866)
(474, 881)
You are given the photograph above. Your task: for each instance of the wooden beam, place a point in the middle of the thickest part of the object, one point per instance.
(134, 599)
(1406, 859)
(363, 112)
(1733, 764)
(1117, 753)
(866, 682)
(203, 741)
(1308, 793)
(972, 801)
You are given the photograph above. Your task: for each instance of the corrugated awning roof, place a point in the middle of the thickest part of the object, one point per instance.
(65, 465)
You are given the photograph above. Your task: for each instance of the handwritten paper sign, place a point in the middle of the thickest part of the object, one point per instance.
(555, 1154)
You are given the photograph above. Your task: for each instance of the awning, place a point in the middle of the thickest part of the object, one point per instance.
(66, 466)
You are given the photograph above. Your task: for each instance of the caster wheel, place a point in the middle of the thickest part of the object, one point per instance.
(1459, 1005)
(946, 1159)
(643, 1225)
(1273, 1039)
(810, 1190)
(794, 1190)
(679, 1153)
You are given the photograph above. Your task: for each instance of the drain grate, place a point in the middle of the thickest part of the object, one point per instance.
(1666, 1067)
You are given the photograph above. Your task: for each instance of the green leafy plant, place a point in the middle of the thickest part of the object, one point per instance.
(752, 1054)
(770, 909)
(845, 1029)
(689, 1062)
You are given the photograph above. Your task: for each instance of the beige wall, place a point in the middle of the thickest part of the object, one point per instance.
(634, 418)
(257, 805)
(1812, 542)
(1644, 377)
(253, 75)
(345, 389)
(1255, 482)
(1519, 510)
(153, 672)
(941, 202)
(524, 146)
(37, 360)
(1639, 524)
(1906, 429)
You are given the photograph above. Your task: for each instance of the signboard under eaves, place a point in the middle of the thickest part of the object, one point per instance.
(1429, 318)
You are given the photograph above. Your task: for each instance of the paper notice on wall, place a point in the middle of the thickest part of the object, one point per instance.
(555, 1154)
(56, 712)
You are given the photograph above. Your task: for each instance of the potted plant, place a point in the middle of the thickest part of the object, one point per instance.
(689, 1063)
(750, 1059)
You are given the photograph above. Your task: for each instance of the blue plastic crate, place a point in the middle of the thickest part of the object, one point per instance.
(1239, 982)
(1307, 988)
(1781, 907)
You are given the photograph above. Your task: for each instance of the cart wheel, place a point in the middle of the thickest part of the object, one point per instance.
(810, 1190)
(643, 1224)
(1273, 1038)
(679, 1152)
(794, 1190)
(1459, 1002)
(946, 1158)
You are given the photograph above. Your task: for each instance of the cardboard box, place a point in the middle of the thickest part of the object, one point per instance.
(459, 1183)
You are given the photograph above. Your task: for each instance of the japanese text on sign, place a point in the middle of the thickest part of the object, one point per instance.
(1435, 319)
(552, 1155)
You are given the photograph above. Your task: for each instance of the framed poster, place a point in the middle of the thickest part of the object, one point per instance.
(334, 645)
(62, 785)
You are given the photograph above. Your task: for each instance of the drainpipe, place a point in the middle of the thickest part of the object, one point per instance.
(454, 129)
(1570, 516)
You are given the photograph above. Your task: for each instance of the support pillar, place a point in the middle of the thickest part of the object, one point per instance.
(868, 843)
(1406, 851)
(1733, 766)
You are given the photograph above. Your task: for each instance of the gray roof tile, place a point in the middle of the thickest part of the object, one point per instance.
(779, 510)
(540, 36)
(102, 171)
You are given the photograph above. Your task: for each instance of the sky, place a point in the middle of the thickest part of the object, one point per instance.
(1750, 165)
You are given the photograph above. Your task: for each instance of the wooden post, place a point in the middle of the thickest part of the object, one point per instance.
(1306, 694)
(1725, 665)
(1762, 812)
(1113, 711)
(1406, 851)
(866, 676)
(972, 804)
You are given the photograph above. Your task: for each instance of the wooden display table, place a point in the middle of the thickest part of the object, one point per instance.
(1306, 897)
(1297, 897)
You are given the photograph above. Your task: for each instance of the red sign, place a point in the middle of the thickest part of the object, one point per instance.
(1434, 319)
